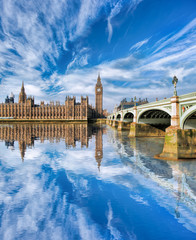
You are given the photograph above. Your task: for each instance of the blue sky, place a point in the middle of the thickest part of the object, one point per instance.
(58, 47)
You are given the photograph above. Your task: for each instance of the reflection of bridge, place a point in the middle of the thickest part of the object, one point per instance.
(176, 114)
(176, 178)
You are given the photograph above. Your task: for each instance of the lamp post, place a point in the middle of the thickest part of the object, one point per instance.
(135, 101)
(175, 117)
(174, 82)
(135, 111)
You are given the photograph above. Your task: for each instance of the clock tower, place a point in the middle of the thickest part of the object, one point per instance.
(99, 97)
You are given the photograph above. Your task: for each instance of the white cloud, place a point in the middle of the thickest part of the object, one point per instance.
(78, 61)
(28, 50)
(153, 71)
(139, 44)
(115, 11)
(190, 26)
(89, 10)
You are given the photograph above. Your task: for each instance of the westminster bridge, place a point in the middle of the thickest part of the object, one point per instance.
(173, 118)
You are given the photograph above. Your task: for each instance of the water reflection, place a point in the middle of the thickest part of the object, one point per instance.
(176, 178)
(26, 134)
(80, 181)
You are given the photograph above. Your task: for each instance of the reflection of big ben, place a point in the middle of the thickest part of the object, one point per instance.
(99, 97)
(98, 147)
(22, 147)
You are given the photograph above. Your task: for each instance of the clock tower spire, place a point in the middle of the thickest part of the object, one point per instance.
(99, 97)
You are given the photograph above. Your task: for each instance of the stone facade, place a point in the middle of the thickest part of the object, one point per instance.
(70, 110)
(124, 104)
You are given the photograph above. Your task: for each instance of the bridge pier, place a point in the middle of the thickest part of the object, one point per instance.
(179, 144)
(115, 123)
(144, 130)
(123, 125)
(109, 122)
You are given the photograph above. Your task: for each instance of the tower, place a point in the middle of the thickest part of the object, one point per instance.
(99, 97)
(11, 97)
(22, 95)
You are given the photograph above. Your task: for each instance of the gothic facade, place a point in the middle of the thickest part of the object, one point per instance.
(99, 97)
(70, 110)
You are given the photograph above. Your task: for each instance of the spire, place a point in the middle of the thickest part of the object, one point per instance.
(99, 80)
(22, 95)
(22, 85)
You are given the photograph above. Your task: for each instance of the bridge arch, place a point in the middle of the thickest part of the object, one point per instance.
(188, 120)
(128, 117)
(118, 117)
(157, 117)
(113, 117)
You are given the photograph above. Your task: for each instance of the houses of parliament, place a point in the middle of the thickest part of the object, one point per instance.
(71, 110)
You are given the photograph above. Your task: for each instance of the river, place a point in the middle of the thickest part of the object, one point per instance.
(79, 181)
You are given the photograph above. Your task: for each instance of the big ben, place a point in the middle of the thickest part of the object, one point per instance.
(99, 97)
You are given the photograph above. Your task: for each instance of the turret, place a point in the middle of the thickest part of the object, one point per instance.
(11, 97)
(22, 95)
(7, 100)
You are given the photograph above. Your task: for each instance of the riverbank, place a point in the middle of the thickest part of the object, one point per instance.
(99, 121)
(41, 121)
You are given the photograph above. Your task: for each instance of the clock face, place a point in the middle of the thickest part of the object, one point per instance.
(98, 89)
(99, 153)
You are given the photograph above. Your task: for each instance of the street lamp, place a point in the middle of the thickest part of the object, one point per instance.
(174, 82)
(135, 101)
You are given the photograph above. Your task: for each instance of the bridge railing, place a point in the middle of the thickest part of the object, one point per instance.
(188, 95)
(163, 101)
(155, 103)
